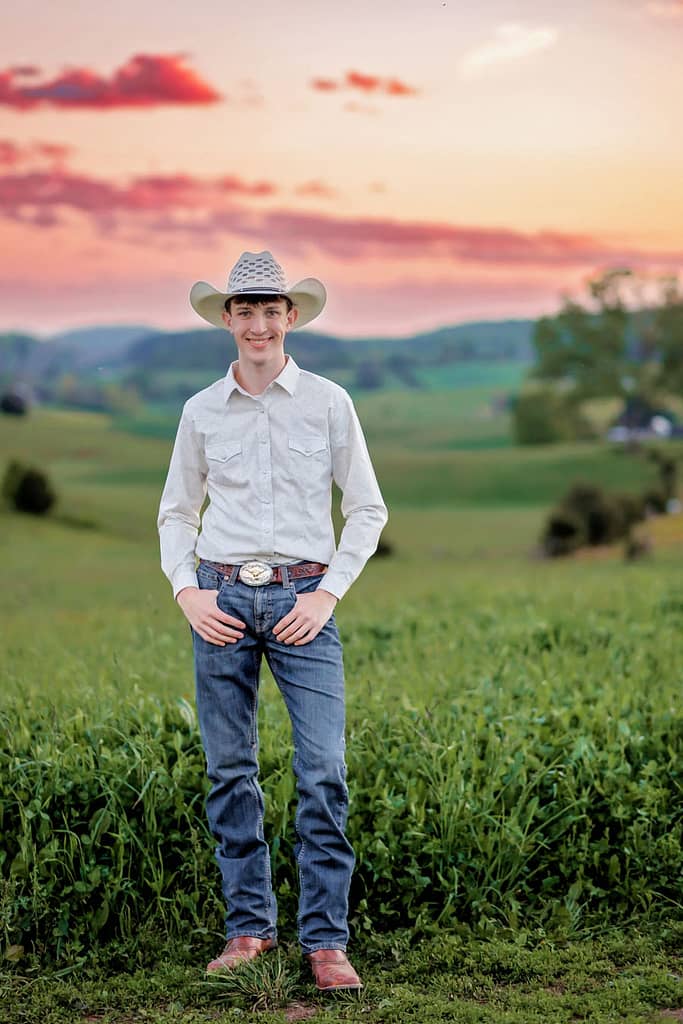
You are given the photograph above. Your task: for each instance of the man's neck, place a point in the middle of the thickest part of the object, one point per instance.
(255, 379)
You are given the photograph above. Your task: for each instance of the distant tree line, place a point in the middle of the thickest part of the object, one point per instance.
(115, 374)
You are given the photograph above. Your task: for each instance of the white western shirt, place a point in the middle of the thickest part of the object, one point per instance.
(267, 463)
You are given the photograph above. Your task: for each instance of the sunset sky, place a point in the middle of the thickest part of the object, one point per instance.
(431, 162)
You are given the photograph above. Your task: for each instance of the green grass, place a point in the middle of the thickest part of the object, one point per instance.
(628, 978)
(515, 739)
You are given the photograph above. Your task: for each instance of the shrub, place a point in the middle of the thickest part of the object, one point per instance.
(655, 500)
(13, 404)
(27, 489)
(587, 515)
(546, 416)
(564, 533)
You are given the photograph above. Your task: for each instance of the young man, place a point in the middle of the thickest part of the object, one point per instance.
(265, 442)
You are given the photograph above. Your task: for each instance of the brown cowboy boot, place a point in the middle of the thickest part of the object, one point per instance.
(332, 971)
(238, 950)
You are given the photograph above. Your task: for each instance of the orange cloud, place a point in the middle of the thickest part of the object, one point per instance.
(365, 83)
(146, 80)
(397, 88)
(357, 80)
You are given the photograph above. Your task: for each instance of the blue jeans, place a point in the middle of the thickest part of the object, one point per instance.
(311, 680)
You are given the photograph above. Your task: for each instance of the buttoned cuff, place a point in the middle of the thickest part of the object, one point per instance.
(336, 583)
(183, 577)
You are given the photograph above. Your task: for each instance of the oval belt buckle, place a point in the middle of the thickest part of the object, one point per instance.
(255, 574)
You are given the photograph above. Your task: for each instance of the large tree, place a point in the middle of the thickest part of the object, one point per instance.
(625, 338)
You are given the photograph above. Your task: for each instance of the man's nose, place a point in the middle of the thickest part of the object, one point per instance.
(259, 324)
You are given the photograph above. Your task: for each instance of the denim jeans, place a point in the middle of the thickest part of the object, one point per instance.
(310, 678)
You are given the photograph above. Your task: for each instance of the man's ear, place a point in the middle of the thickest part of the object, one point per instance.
(292, 316)
(227, 319)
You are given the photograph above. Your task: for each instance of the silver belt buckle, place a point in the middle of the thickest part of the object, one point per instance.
(255, 574)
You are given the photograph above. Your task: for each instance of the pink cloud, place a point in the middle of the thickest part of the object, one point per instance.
(146, 80)
(159, 208)
(12, 154)
(316, 189)
(232, 183)
(324, 85)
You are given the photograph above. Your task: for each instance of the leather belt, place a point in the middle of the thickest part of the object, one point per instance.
(257, 574)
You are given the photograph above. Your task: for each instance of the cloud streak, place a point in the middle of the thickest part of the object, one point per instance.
(359, 81)
(41, 195)
(146, 80)
(512, 42)
(160, 210)
(13, 154)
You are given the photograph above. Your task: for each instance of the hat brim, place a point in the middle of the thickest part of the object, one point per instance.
(309, 297)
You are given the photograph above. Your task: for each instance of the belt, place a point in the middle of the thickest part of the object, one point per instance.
(257, 574)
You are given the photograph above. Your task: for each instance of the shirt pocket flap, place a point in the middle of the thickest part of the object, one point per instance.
(221, 451)
(308, 445)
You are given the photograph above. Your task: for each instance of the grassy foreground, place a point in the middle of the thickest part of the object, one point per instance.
(515, 746)
(627, 978)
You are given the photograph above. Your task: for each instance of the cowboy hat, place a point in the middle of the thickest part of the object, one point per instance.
(258, 273)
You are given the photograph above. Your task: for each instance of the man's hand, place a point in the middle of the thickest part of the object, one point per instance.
(306, 619)
(206, 618)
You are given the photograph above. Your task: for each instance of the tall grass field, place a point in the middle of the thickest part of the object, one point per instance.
(514, 742)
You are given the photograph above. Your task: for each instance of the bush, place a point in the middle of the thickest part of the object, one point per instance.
(13, 404)
(564, 533)
(587, 515)
(27, 489)
(545, 417)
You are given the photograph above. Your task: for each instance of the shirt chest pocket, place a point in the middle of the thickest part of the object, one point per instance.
(225, 462)
(309, 458)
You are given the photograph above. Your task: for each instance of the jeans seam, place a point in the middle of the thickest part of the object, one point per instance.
(267, 881)
(304, 892)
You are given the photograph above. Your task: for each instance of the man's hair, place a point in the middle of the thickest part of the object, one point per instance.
(257, 300)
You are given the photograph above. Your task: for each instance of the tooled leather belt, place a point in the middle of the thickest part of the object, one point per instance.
(257, 574)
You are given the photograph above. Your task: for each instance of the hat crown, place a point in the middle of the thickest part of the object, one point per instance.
(257, 272)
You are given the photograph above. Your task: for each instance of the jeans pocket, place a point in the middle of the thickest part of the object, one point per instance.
(307, 584)
(208, 578)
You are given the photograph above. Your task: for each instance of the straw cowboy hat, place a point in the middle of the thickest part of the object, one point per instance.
(258, 273)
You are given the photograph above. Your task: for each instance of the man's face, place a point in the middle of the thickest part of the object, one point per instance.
(259, 330)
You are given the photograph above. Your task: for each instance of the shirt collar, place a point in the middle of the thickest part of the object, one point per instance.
(287, 379)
